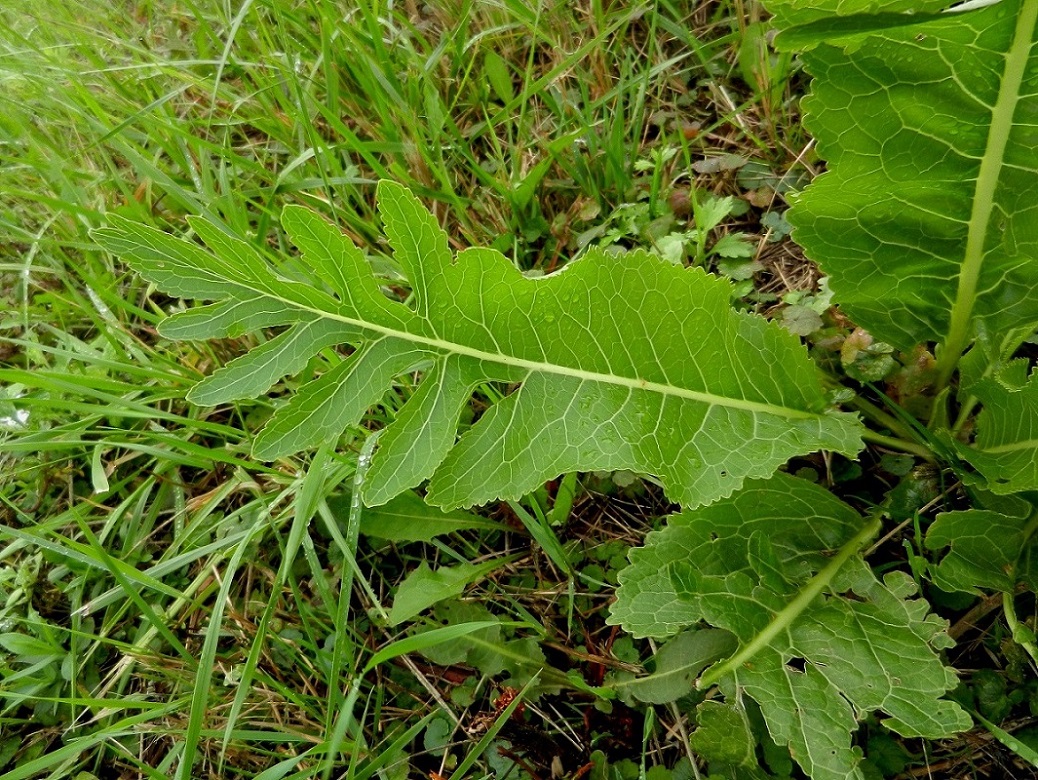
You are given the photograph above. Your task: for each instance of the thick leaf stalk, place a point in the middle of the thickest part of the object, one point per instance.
(784, 619)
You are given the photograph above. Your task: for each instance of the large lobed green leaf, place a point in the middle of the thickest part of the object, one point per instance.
(618, 362)
(816, 662)
(927, 218)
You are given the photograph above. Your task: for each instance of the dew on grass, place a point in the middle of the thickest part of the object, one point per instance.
(16, 421)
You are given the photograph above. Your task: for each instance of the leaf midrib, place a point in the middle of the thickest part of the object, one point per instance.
(441, 345)
(988, 177)
(1016, 446)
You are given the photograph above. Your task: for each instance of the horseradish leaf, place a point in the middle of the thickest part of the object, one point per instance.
(985, 548)
(617, 362)
(926, 220)
(823, 642)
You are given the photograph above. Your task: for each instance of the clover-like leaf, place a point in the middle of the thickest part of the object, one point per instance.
(617, 362)
(822, 641)
(927, 217)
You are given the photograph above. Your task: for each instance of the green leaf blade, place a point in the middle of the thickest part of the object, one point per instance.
(822, 641)
(554, 425)
(230, 318)
(985, 549)
(343, 267)
(879, 674)
(407, 518)
(925, 219)
(1006, 449)
(322, 409)
(424, 431)
(175, 266)
(424, 586)
(678, 663)
(254, 373)
(621, 361)
(804, 711)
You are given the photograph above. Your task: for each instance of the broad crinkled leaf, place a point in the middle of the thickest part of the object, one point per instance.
(818, 665)
(617, 362)
(805, 25)
(1006, 449)
(648, 605)
(927, 217)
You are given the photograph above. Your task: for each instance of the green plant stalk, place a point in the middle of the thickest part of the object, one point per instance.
(74, 749)
(648, 728)
(542, 533)
(305, 508)
(965, 412)
(984, 200)
(156, 621)
(564, 497)
(785, 618)
(898, 444)
(549, 675)
(382, 761)
(1022, 635)
(473, 755)
(207, 657)
(346, 585)
(697, 217)
(911, 428)
(877, 415)
(191, 595)
(903, 441)
(656, 184)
